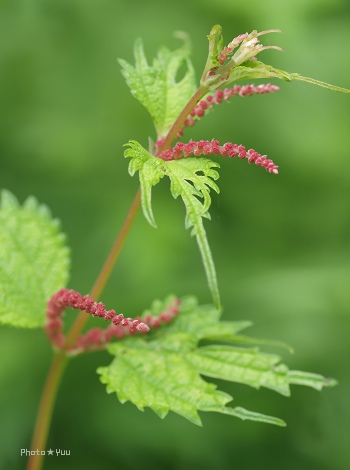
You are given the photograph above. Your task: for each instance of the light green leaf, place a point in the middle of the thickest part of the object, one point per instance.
(262, 342)
(244, 414)
(34, 261)
(150, 169)
(191, 178)
(312, 81)
(257, 69)
(163, 370)
(308, 379)
(156, 86)
(248, 366)
(202, 322)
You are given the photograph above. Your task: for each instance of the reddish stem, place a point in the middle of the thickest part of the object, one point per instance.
(179, 123)
(57, 366)
(106, 270)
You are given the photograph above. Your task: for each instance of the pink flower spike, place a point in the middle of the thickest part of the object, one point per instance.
(96, 337)
(204, 106)
(205, 147)
(237, 41)
(160, 142)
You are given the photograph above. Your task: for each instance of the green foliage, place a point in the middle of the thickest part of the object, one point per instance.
(156, 86)
(190, 178)
(157, 90)
(163, 371)
(241, 67)
(34, 261)
(257, 69)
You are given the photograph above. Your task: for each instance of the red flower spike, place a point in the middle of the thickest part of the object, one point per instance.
(204, 147)
(95, 337)
(227, 51)
(118, 331)
(203, 107)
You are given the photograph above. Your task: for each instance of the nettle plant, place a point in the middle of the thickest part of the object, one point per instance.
(157, 358)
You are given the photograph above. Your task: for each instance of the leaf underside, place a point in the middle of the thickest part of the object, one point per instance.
(34, 261)
(164, 371)
(191, 179)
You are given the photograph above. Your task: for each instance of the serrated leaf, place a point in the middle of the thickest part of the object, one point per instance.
(191, 179)
(150, 169)
(248, 366)
(156, 86)
(163, 371)
(202, 322)
(34, 261)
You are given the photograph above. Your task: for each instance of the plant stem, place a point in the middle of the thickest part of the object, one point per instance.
(60, 359)
(106, 270)
(45, 410)
(178, 124)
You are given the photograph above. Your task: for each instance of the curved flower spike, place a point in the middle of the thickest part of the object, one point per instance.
(69, 298)
(204, 148)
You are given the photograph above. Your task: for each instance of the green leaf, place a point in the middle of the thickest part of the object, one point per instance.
(190, 178)
(150, 169)
(164, 370)
(262, 342)
(312, 81)
(34, 262)
(248, 366)
(244, 414)
(257, 69)
(156, 86)
(308, 379)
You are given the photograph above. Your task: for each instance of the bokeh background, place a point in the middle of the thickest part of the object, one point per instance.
(280, 243)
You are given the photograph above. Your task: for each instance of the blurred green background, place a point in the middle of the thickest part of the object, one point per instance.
(280, 243)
